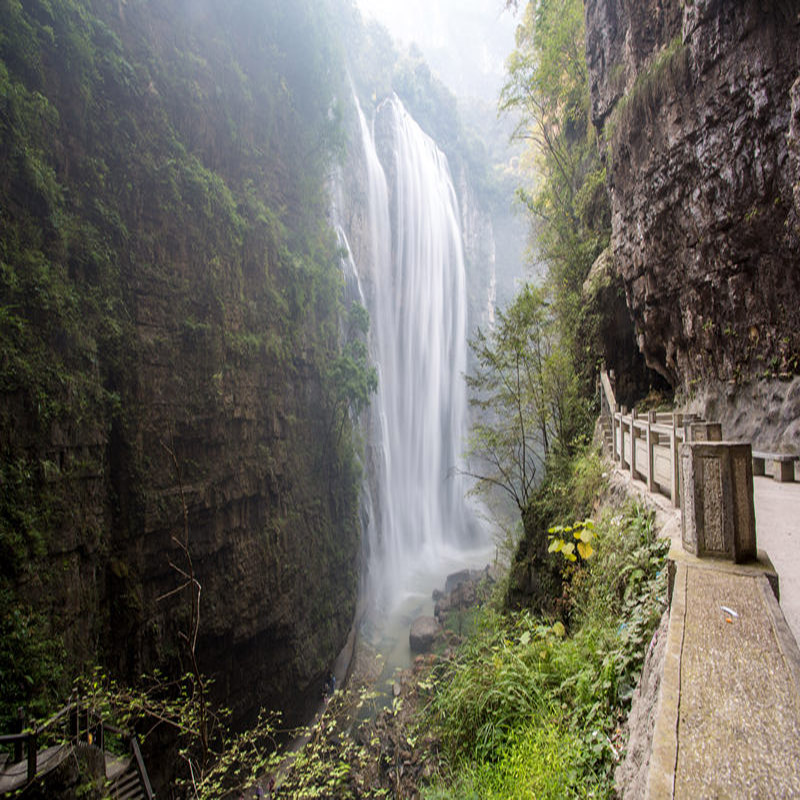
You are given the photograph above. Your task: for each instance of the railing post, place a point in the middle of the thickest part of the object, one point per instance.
(614, 432)
(651, 480)
(673, 453)
(634, 417)
(622, 412)
(20, 727)
(32, 755)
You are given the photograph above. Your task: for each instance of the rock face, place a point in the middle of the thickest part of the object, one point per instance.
(200, 313)
(698, 104)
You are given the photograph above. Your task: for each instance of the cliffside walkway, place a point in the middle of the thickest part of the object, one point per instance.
(727, 722)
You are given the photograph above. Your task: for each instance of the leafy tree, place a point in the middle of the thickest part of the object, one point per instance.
(527, 395)
(548, 88)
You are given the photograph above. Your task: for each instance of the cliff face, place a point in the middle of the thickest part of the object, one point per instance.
(169, 283)
(698, 106)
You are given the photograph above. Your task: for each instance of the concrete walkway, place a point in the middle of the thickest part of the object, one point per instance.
(778, 533)
(727, 723)
(728, 719)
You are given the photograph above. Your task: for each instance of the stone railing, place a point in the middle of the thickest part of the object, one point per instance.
(648, 445)
(684, 458)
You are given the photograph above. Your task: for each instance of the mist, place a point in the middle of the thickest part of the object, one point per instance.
(466, 42)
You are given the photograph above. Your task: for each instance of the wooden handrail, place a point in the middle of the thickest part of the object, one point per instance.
(30, 738)
(144, 778)
(56, 717)
(608, 390)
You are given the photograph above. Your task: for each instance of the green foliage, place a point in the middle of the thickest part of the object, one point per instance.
(548, 88)
(234, 760)
(521, 679)
(569, 490)
(537, 761)
(527, 393)
(351, 378)
(32, 669)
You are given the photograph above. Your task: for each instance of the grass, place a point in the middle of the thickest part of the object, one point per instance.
(535, 708)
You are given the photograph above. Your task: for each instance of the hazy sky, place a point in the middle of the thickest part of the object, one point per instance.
(466, 42)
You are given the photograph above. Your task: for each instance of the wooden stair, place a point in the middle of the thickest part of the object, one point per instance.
(128, 785)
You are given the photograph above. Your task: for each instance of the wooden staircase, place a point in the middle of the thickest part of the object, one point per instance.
(128, 785)
(74, 726)
(125, 782)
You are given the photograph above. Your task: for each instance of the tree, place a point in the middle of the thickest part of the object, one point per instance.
(548, 88)
(526, 394)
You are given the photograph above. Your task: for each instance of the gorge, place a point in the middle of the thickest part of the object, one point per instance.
(244, 248)
(171, 287)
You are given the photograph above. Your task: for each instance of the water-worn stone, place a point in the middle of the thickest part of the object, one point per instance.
(424, 631)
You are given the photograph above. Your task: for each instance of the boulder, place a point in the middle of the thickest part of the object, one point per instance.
(455, 579)
(424, 631)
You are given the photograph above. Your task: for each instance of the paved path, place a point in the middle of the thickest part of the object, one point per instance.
(778, 532)
(727, 724)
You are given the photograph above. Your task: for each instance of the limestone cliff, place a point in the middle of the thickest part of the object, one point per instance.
(168, 281)
(697, 104)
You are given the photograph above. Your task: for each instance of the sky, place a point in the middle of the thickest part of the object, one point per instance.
(466, 42)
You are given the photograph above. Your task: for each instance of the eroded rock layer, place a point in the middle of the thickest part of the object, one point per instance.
(697, 104)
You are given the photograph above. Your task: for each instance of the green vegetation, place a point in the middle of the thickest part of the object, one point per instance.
(534, 708)
(351, 377)
(528, 397)
(548, 89)
(533, 704)
(668, 70)
(221, 763)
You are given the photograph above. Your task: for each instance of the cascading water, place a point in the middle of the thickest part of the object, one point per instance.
(418, 324)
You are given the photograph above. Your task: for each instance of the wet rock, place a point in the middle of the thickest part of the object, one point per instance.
(424, 631)
(455, 580)
(463, 590)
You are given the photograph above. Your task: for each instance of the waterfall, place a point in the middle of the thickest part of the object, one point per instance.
(419, 339)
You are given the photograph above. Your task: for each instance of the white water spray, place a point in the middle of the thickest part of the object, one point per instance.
(418, 318)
